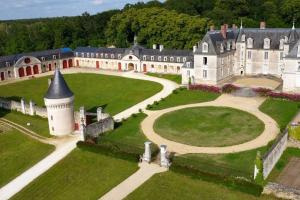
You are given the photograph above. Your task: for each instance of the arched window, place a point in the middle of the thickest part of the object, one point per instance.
(281, 43)
(250, 43)
(205, 47)
(267, 43)
(243, 38)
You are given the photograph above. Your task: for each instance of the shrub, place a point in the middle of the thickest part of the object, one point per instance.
(207, 88)
(175, 92)
(262, 91)
(133, 115)
(229, 88)
(140, 110)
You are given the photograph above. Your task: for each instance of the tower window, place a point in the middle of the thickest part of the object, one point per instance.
(52, 128)
(204, 60)
(51, 117)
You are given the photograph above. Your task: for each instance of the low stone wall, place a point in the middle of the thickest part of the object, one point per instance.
(23, 107)
(281, 191)
(102, 126)
(273, 155)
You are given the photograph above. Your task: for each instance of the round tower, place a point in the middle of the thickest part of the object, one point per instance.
(59, 101)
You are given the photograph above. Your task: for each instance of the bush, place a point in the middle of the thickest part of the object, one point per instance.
(262, 91)
(207, 88)
(229, 88)
(175, 92)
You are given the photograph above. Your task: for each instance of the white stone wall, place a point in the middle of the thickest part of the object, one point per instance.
(60, 116)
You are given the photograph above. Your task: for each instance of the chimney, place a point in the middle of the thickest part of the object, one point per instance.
(161, 47)
(223, 31)
(194, 48)
(212, 28)
(154, 46)
(262, 25)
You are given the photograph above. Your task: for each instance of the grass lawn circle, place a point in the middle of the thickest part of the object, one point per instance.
(209, 126)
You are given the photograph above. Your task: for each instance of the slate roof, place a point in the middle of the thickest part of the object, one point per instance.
(58, 88)
(47, 54)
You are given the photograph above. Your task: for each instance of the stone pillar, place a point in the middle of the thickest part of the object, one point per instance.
(147, 154)
(82, 115)
(99, 114)
(164, 161)
(23, 106)
(82, 132)
(31, 108)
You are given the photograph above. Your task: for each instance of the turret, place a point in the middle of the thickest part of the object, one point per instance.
(59, 101)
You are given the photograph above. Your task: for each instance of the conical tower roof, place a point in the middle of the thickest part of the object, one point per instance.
(58, 88)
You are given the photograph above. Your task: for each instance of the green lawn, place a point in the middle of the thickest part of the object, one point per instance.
(209, 126)
(113, 93)
(171, 77)
(127, 134)
(37, 124)
(19, 152)
(283, 161)
(282, 111)
(234, 164)
(183, 96)
(174, 186)
(83, 174)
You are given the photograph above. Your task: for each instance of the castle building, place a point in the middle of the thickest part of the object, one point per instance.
(217, 58)
(59, 101)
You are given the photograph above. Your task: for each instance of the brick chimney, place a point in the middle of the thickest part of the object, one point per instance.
(262, 25)
(212, 28)
(223, 31)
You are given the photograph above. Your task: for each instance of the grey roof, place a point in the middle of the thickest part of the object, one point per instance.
(214, 39)
(58, 88)
(47, 54)
(274, 34)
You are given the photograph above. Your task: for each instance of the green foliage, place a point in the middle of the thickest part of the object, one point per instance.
(259, 165)
(294, 132)
(155, 26)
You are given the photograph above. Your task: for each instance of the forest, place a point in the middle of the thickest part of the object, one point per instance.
(175, 23)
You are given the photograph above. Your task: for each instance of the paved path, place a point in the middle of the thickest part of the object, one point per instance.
(65, 145)
(243, 103)
(145, 172)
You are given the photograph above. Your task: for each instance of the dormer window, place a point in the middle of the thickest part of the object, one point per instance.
(188, 64)
(7, 64)
(184, 59)
(82, 55)
(159, 58)
(152, 58)
(204, 47)
(101, 55)
(178, 59)
(221, 48)
(87, 55)
(106, 55)
(281, 43)
(267, 43)
(75, 54)
(172, 59)
(165, 59)
(92, 55)
(119, 56)
(43, 58)
(54, 56)
(97, 55)
(243, 38)
(112, 56)
(228, 46)
(144, 57)
(250, 43)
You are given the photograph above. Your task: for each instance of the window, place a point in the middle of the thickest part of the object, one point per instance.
(204, 47)
(159, 58)
(178, 68)
(152, 58)
(299, 66)
(267, 43)
(204, 60)
(51, 117)
(184, 59)
(152, 66)
(188, 64)
(112, 56)
(75, 54)
(178, 59)
(281, 55)
(92, 55)
(82, 55)
(101, 55)
(54, 56)
(87, 55)
(165, 58)
(249, 54)
(281, 43)
(97, 55)
(52, 128)
(266, 55)
(130, 57)
(172, 59)
(43, 58)
(204, 73)
(119, 56)
(250, 43)
(144, 57)
(7, 64)
(243, 38)
(106, 55)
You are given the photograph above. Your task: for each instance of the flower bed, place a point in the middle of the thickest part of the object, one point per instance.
(207, 88)
(228, 88)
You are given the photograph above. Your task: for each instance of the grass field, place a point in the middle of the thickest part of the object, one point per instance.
(128, 133)
(18, 152)
(171, 77)
(234, 164)
(282, 111)
(37, 124)
(113, 93)
(209, 126)
(82, 174)
(174, 186)
(183, 96)
(283, 161)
